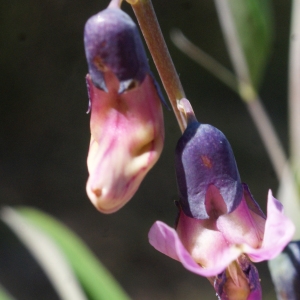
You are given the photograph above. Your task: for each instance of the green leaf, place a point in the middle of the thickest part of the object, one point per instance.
(4, 295)
(46, 253)
(95, 279)
(254, 24)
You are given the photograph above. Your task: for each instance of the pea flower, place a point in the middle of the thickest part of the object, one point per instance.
(127, 130)
(220, 228)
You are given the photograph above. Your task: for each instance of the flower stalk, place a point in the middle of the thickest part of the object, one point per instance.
(150, 28)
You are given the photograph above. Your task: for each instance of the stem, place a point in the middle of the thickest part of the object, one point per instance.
(247, 91)
(204, 60)
(294, 86)
(232, 41)
(149, 25)
(115, 3)
(268, 135)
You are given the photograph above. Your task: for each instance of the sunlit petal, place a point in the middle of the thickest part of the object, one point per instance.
(166, 240)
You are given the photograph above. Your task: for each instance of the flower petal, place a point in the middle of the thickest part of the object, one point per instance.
(127, 136)
(279, 230)
(204, 157)
(166, 240)
(112, 42)
(242, 226)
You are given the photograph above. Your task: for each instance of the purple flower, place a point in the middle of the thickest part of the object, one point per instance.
(127, 130)
(220, 227)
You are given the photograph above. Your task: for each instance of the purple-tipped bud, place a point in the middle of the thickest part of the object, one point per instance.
(204, 157)
(112, 42)
(127, 130)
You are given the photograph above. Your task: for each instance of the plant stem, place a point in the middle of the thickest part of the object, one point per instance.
(204, 59)
(294, 86)
(149, 25)
(115, 3)
(268, 136)
(247, 91)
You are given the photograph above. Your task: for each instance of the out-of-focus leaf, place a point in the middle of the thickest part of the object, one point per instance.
(95, 279)
(47, 253)
(253, 20)
(4, 295)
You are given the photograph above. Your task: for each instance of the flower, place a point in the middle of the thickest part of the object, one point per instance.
(127, 130)
(219, 225)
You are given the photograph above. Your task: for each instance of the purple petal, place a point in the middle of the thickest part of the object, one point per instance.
(279, 231)
(112, 42)
(166, 240)
(239, 281)
(204, 157)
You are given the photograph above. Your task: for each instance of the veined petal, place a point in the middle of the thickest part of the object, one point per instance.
(278, 233)
(166, 240)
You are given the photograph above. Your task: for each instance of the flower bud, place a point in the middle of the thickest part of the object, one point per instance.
(204, 157)
(112, 43)
(127, 129)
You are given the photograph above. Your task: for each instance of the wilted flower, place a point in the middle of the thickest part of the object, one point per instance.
(219, 226)
(126, 116)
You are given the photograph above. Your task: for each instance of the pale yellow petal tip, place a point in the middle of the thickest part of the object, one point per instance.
(184, 106)
(104, 204)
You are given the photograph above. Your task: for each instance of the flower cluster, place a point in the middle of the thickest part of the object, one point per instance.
(220, 229)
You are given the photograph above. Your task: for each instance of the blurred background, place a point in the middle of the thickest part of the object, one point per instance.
(44, 139)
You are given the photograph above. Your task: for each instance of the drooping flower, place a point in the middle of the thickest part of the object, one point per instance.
(219, 227)
(126, 125)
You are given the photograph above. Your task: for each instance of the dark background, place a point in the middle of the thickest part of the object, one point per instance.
(44, 137)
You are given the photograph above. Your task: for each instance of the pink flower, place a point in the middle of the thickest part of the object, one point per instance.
(127, 130)
(220, 227)
(206, 247)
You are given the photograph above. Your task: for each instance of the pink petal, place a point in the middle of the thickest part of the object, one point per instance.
(242, 226)
(166, 240)
(279, 231)
(198, 236)
(126, 140)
